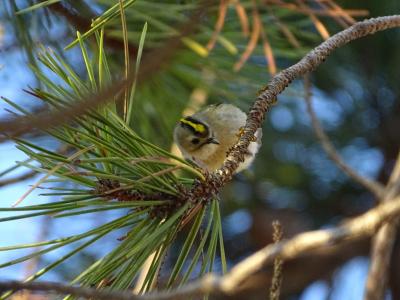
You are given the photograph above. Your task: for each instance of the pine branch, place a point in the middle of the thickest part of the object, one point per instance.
(276, 85)
(204, 190)
(152, 63)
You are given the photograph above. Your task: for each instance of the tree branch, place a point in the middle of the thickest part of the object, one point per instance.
(373, 186)
(360, 226)
(320, 262)
(18, 178)
(87, 293)
(204, 190)
(383, 244)
(211, 284)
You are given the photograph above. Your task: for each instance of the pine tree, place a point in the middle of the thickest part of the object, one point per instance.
(111, 87)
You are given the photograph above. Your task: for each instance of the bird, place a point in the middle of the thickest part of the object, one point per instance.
(206, 136)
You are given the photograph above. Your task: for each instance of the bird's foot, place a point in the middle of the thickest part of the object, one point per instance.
(241, 132)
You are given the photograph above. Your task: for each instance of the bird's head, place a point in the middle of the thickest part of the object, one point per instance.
(192, 134)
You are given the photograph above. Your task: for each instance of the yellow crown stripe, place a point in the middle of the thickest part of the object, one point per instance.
(197, 127)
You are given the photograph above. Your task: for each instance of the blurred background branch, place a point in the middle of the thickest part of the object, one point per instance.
(383, 243)
(373, 186)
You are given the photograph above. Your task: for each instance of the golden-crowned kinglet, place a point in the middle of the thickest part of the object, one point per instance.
(206, 136)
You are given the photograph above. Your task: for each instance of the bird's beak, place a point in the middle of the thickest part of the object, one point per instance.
(212, 140)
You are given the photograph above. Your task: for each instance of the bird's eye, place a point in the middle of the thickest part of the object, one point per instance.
(195, 141)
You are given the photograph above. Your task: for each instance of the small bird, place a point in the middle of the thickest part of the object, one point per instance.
(206, 136)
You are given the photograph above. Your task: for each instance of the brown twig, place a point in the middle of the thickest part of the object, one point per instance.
(251, 45)
(243, 19)
(223, 7)
(336, 12)
(18, 178)
(284, 29)
(322, 30)
(373, 186)
(320, 12)
(268, 52)
(88, 293)
(276, 283)
(383, 244)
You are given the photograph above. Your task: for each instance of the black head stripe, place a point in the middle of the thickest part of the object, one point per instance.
(198, 128)
(184, 125)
